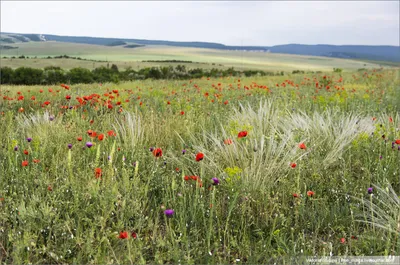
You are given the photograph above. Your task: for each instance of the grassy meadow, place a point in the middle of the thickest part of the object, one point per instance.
(205, 58)
(221, 170)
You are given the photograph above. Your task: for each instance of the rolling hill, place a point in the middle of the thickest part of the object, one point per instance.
(377, 53)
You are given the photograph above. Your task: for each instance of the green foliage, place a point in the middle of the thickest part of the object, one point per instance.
(80, 75)
(27, 76)
(6, 75)
(54, 75)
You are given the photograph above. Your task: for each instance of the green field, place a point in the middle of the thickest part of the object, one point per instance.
(256, 170)
(124, 57)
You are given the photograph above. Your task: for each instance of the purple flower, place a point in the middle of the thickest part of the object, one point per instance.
(183, 151)
(380, 157)
(89, 144)
(29, 139)
(370, 190)
(151, 149)
(16, 148)
(215, 181)
(69, 146)
(51, 118)
(169, 212)
(71, 107)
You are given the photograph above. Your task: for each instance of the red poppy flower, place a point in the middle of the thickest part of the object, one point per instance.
(226, 102)
(186, 178)
(24, 163)
(49, 188)
(100, 137)
(123, 235)
(133, 234)
(242, 134)
(33, 98)
(97, 172)
(194, 177)
(79, 138)
(397, 141)
(157, 152)
(182, 113)
(228, 141)
(111, 133)
(295, 195)
(199, 157)
(310, 193)
(390, 119)
(36, 161)
(67, 97)
(26, 152)
(293, 165)
(302, 146)
(343, 240)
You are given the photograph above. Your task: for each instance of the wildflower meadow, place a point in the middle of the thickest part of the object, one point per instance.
(234, 169)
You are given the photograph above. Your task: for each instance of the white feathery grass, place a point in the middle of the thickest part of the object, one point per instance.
(330, 130)
(383, 210)
(36, 120)
(129, 131)
(272, 143)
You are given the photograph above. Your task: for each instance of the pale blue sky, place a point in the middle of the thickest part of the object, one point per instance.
(233, 23)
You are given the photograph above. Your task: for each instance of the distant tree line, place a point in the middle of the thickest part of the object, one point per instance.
(54, 57)
(168, 61)
(55, 75)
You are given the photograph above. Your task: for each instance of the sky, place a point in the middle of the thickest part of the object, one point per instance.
(261, 23)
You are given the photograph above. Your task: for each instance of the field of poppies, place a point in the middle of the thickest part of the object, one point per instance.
(212, 170)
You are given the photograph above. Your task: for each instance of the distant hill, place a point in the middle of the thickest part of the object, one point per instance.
(361, 52)
(378, 53)
(116, 43)
(133, 46)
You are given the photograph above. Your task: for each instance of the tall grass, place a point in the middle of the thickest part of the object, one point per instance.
(275, 202)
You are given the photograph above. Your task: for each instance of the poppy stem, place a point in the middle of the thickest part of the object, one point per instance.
(210, 219)
(129, 251)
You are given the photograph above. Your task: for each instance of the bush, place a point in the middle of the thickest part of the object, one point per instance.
(27, 76)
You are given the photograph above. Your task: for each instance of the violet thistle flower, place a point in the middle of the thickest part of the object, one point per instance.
(215, 181)
(169, 212)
